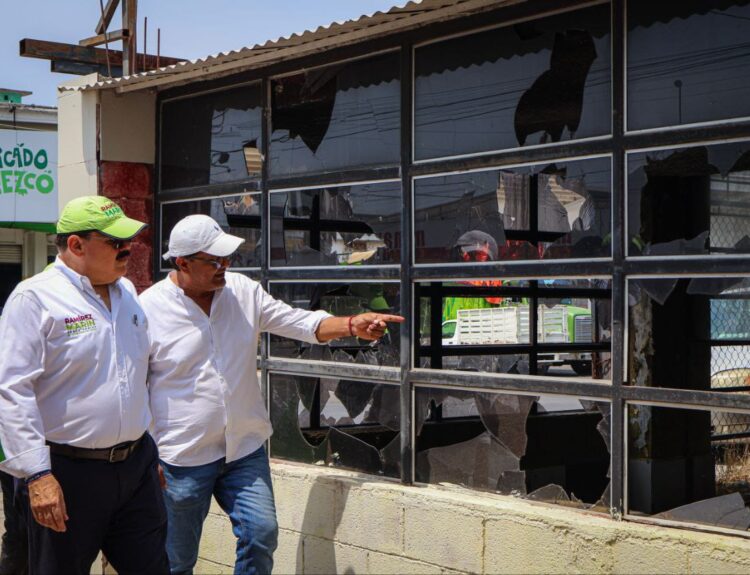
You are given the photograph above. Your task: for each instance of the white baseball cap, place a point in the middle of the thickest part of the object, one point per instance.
(200, 233)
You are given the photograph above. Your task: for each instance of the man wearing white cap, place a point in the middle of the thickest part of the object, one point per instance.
(210, 422)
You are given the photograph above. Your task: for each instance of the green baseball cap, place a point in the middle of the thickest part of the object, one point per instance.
(97, 213)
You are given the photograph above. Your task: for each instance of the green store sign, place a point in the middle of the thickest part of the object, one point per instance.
(28, 179)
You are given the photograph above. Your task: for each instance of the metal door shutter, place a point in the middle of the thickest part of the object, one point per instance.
(10, 254)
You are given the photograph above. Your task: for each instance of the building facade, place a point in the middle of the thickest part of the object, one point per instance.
(555, 195)
(28, 174)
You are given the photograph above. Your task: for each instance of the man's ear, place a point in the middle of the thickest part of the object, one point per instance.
(75, 245)
(181, 263)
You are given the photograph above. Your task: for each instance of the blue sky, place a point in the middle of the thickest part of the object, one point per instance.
(189, 29)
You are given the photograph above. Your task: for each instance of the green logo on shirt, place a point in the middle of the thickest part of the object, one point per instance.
(79, 324)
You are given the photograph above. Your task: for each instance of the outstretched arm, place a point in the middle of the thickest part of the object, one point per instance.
(369, 325)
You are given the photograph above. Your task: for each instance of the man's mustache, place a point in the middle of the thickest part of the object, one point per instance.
(123, 254)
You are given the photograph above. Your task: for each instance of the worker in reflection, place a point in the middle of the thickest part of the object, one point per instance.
(476, 246)
(210, 421)
(473, 246)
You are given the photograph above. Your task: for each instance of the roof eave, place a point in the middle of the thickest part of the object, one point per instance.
(287, 49)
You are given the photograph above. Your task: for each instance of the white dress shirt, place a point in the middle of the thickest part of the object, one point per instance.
(71, 371)
(205, 397)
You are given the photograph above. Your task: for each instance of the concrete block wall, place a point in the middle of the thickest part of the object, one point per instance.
(334, 521)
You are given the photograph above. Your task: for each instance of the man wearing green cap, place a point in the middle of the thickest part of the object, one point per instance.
(74, 400)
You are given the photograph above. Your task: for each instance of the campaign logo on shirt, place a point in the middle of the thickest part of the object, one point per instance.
(79, 324)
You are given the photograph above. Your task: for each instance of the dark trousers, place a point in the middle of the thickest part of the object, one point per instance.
(115, 507)
(14, 556)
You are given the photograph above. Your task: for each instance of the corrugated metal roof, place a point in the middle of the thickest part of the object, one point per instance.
(401, 17)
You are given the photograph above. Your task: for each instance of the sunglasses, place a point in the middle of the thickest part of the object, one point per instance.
(474, 255)
(217, 263)
(113, 243)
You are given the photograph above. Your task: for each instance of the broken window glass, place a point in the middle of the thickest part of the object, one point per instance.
(212, 138)
(341, 300)
(687, 62)
(291, 402)
(536, 82)
(689, 465)
(690, 333)
(336, 422)
(337, 226)
(546, 448)
(485, 325)
(487, 215)
(342, 116)
(238, 215)
(689, 201)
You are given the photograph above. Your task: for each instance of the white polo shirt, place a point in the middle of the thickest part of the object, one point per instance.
(71, 371)
(205, 397)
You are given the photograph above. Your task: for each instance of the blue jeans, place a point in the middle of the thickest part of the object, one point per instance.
(243, 490)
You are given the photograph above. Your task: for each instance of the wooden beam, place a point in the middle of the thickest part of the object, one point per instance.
(109, 11)
(57, 51)
(106, 37)
(81, 69)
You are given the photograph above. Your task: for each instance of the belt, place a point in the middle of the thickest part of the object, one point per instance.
(114, 454)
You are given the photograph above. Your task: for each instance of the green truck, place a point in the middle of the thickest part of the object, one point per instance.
(509, 324)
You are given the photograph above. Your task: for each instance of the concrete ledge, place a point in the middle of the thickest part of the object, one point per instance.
(343, 522)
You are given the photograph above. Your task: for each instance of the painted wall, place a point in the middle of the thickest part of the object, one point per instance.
(107, 144)
(76, 143)
(334, 521)
(128, 127)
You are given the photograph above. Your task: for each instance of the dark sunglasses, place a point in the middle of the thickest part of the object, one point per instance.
(114, 243)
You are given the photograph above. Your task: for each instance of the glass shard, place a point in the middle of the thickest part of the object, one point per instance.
(347, 451)
(728, 511)
(478, 463)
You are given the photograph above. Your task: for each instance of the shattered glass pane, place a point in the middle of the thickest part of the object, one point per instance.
(490, 461)
(690, 333)
(337, 226)
(424, 320)
(531, 83)
(237, 215)
(504, 416)
(341, 300)
(212, 138)
(347, 451)
(689, 201)
(341, 116)
(288, 415)
(485, 322)
(674, 75)
(391, 457)
(342, 423)
(689, 465)
(485, 216)
(552, 447)
(513, 363)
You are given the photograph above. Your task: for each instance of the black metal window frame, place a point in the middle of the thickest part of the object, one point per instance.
(160, 264)
(313, 269)
(510, 265)
(619, 269)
